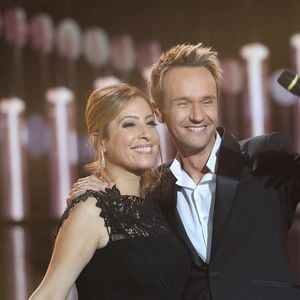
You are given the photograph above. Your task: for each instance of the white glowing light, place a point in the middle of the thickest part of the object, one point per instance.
(102, 82)
(146, 73)
(280, 94)
(18, 241)
(295, 43)
(254, 54)
(12, 108)
(60, 97)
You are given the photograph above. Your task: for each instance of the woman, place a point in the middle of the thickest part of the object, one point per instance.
(115, 244)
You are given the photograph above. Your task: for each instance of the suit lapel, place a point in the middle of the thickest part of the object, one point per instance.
(168, 202)
(229, 171)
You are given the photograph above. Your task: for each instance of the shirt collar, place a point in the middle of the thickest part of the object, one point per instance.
(210, 164)
(212, 160)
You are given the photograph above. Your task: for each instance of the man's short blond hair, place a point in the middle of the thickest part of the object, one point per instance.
(185, 55)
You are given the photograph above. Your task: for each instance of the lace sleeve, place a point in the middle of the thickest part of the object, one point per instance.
(89, 193)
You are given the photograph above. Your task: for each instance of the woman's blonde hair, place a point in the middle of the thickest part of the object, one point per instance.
(103, 105)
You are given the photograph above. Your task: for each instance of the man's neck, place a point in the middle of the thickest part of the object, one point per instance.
(195, 165)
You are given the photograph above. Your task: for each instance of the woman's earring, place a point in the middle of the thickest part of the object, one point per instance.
(102, 159)
(156, 112)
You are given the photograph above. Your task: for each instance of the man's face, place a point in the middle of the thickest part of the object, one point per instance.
(190, 108)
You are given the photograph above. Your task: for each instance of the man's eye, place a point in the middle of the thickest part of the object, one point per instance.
(208, 101)
(128, 124)
(182, 103)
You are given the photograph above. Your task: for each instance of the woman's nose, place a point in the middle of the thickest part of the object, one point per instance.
(145, 133)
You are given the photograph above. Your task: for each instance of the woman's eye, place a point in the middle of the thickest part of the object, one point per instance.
(128, 124)
(152, 123)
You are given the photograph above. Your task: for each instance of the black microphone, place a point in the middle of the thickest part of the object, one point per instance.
(290, 81)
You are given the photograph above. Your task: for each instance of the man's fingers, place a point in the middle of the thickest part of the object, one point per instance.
(90, 185)
(84, 178)
(74, 194)
(87, 183)
(91, 180)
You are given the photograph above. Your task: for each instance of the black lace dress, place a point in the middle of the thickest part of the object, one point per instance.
(143, 259)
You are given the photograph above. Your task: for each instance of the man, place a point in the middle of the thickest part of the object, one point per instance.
(230, 221)
(230, 203)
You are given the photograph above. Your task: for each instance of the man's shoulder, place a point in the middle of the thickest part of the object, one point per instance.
(274, 141)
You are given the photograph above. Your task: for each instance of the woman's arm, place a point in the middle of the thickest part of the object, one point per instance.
(78, 238)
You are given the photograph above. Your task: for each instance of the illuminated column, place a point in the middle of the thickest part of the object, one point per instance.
(295, 43)
(123, 55)
(14, 193)
(14, 270)
(104, 81)
(232, 86)
(18, 241)
(167, 148)
(61, 112)
(257, 108)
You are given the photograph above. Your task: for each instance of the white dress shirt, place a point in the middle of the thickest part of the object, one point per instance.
(195, 203)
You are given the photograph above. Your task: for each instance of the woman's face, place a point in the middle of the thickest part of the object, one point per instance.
(133, 142)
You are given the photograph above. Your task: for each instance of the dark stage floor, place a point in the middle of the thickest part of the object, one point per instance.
(25, 251)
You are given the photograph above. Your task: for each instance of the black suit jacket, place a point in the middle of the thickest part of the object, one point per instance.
(248, 257)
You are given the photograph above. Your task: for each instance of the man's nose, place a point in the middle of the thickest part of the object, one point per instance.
(196, 114)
